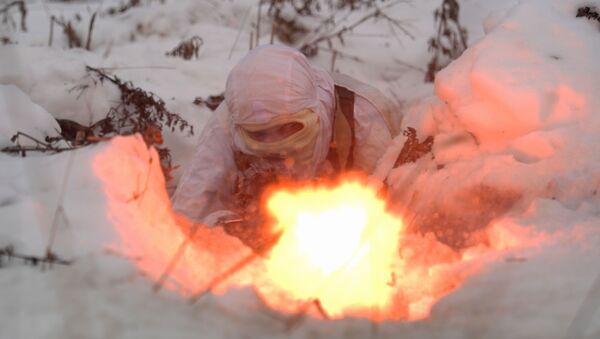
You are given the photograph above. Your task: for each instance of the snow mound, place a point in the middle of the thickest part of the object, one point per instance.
(532, 72)
(516, 119)
(140, 211)
(20, 114)
(53, 194)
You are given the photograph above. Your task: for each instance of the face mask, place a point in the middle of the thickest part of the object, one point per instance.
(292, 137)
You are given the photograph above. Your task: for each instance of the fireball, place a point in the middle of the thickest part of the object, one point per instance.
(338, 246)
(338, 249)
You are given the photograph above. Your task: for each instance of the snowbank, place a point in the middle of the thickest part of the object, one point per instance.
(533, 72)
(515, 119)
(139, 210)
(22, 115)
(102, 293)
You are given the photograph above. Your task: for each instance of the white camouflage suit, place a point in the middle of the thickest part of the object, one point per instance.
(271, 82)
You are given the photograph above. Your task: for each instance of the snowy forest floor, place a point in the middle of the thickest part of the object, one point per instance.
(516, 166)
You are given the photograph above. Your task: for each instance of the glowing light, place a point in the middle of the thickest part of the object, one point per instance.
(338, 245)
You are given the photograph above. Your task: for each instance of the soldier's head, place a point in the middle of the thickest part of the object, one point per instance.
(281, 107)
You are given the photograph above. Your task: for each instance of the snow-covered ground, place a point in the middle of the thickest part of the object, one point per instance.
(517, 165)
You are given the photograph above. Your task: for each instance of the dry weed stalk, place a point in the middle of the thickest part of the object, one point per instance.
(20, 5)
(337, 33)
(90, 30)
(6, 41)
(124, 7)
(138, 111)
(9, 254)
(141, 112)
(333, 26)
(413, 150)
(450, 40)
(187, 49)
(73, 38)
(590, 13)
(40, 146)
(212, 102)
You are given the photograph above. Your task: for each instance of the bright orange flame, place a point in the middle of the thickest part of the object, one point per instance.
(338, 246)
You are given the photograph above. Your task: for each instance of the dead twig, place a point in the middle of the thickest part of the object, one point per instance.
(9, 254)
(235, 268)
(77, 134)
(296, 319)
(141, 112)
(148, 108)
(123, 7)
(7, 41)
(59, 210)
(224, 276)
(39, 146)
(22, 9)
(174, 260)
(338, 33)
(237, 37)
(23, 150)
(413, 149)
(138, 67)
(187, 48)
(258, 22)
(212, 102)
(340, 54)
(90, 29)
(590, 13)
(407, 65)
(140, 193)
(15, 138)
(73, 38)
(450, 40)
(288, 30)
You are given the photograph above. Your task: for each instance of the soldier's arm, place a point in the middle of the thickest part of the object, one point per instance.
(205, 184)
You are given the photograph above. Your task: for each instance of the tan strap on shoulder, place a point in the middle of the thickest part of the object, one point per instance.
(384, 105)
(342, 142)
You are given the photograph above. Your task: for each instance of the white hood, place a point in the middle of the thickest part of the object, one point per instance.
(275, 80)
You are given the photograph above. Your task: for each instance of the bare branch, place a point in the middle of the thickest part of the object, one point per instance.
(337, 32)
(59, 204)
(187, 48)
(9, 253)
(22, 9)
(91, 27)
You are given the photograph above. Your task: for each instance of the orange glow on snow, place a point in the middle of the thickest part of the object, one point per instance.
(339, 246)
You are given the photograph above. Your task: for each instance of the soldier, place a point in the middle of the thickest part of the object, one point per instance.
(279, 109)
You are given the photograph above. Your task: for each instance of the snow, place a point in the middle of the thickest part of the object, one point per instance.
(516, 125)
(26, 117)
(518, 84)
